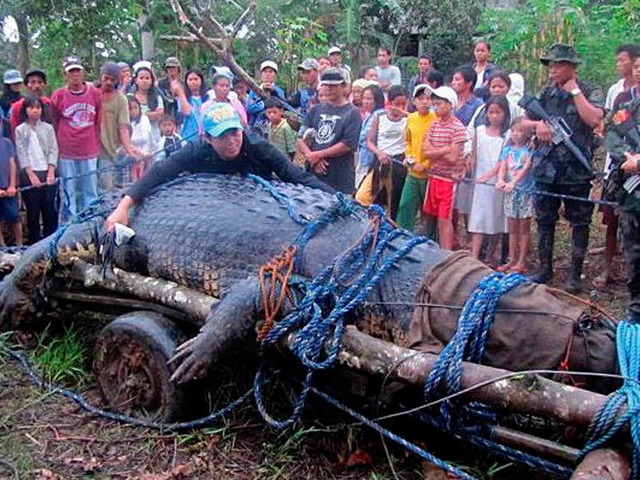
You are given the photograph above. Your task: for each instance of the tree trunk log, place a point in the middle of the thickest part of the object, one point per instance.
(603, 464)
(526, 393)
(194, 304)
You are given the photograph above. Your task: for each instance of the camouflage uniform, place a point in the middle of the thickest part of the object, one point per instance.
(629, 204)
(559, 171)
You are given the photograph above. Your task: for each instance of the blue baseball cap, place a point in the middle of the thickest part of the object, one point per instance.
(219, 117)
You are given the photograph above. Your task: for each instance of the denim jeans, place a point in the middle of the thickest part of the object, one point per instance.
(78, 187)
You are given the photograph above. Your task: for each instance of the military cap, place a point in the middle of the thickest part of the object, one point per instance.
(560, 52)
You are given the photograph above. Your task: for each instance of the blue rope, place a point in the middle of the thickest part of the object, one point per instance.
(280, 197)
(82, 402)
(396, 438)
(319, 319)
(92, 211)
(609, 420)
(468, 342)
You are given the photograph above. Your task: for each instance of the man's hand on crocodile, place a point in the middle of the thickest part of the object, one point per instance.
(120, 214)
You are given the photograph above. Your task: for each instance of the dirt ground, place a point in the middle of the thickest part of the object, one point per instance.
(47, 437)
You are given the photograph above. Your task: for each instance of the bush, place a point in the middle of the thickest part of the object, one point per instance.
(520, 36)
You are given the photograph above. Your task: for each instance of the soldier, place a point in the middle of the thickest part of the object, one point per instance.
(622, 140)
(557, 170)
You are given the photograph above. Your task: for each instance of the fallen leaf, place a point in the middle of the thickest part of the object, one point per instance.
(181, 472)
(433, 472)
(87, 466)
(359, 457)
(153, 476)
(44, 474)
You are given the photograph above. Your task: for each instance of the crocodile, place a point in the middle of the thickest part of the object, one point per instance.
(212, 233)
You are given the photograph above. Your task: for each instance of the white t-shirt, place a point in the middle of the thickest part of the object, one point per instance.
(390, 74)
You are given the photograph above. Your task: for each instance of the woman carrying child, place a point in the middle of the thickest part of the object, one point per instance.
(487, 206)
(37, 152)
(149, 99)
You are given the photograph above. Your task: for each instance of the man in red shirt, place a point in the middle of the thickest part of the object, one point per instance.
(35, 81)
(76, 109)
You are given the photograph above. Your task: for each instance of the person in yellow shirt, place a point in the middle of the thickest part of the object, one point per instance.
(415, 185)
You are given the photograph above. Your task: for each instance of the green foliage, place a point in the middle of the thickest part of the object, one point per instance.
(448, 28)
(520, 36)
(61, 359)
(297, 39)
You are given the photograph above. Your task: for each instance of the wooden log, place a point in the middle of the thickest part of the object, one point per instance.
(194, 304)
(603, 464)
(527, 393)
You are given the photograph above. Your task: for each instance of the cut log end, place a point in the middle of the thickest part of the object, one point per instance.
(603, 464)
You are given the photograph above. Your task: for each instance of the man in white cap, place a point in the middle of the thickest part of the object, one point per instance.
(444, 147)
(336, 126)
(255, 106)
(76, 109)
(226, 149)
(335, 57)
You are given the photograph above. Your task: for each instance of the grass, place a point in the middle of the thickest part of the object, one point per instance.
(277, 457)
(63, 359)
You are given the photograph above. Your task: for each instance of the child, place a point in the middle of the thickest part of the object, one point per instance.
(37, 150)
(141, 137)
(279, 132)
(387, 140)
(415, 185)
(443, 146)
(487, 204)
(170, 141)
(9, 211)
(514, 180)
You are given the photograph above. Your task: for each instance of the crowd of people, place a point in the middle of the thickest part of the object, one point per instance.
(456, 155)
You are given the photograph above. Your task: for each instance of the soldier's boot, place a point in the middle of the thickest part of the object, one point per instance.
(546, 236)
(579, 243)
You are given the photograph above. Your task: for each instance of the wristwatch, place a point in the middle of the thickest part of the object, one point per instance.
(575, 92)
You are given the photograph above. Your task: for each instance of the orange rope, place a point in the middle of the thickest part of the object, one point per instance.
(277, 270)
(583, 301)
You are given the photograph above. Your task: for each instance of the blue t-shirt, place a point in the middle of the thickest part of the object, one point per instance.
(192, 124)
(466, 111)
(515, 158)
(7, 151)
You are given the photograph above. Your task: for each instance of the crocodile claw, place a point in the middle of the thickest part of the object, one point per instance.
(192, 360)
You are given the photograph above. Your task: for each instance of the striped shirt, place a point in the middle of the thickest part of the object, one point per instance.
(444, 134)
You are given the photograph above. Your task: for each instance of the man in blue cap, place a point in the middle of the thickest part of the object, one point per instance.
(226, 149)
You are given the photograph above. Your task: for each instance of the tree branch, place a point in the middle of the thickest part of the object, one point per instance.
(243, 18)
(191, 39)
(184, 19)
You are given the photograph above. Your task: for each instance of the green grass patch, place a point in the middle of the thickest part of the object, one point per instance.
(62, 359)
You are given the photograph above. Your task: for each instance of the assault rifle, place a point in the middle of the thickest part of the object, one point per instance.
(560, 131)
(627, 129)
